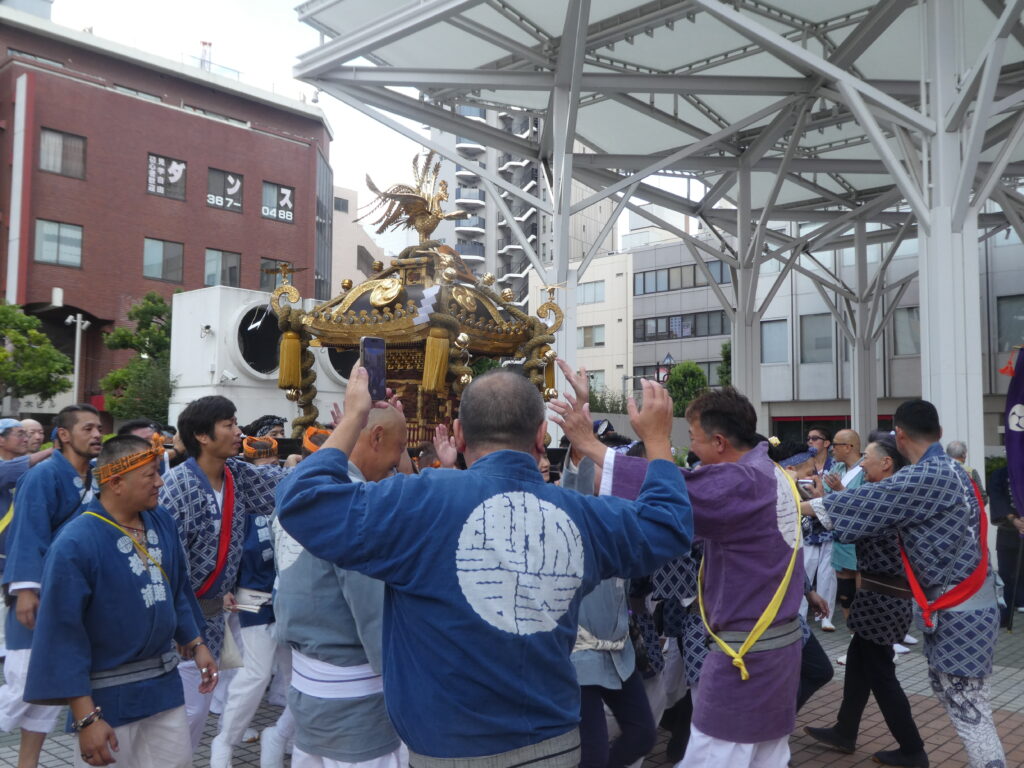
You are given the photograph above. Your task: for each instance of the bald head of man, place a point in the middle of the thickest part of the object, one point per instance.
(381, 444)
(500, 410)
(35, 433)
(846, 447)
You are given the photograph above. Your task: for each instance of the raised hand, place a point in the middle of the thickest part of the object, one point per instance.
(444, 445)
(579, 381)
(653, 421)
(575, 421)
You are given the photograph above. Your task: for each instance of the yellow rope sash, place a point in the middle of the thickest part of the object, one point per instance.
(6, 519)
(142, 550)
(773, 606)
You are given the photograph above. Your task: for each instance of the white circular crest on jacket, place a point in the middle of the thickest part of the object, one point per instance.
(286, 549)
(1015, 418)
(520, 562)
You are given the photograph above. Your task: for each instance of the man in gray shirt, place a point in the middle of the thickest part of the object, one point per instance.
(331, 619)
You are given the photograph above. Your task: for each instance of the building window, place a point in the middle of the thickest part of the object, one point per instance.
(223, 268)
(714, 323)
(137, 93)
(270, 278)
(278, 202)
(162, 260)
(816, 338)
(774, 341)
(907, 323)
(596, 380)
(224, 190)
(675, 278)
(590, 293)
(590, 336)
(166, 177)
(1010, 322)
(62, 153)
(341, 205)
(58, 243)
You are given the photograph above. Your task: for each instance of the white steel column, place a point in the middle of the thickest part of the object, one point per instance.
(951, 340)
(746, 327)
(864, 368)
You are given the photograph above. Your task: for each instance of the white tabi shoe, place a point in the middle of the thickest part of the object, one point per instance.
(251, 736)
(827, 625)
(841, 660)
(271, 748)
(900, 648)
(909, 640)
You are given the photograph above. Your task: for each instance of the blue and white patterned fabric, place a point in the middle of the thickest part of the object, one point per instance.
(187, 495)
(932, 506)
(882, 619)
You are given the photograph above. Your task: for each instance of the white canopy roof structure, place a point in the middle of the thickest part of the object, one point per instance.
(874, 120)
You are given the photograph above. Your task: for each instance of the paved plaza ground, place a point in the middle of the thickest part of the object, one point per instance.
(940, 739)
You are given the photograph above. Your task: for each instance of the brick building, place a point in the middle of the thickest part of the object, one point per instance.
(122, 173)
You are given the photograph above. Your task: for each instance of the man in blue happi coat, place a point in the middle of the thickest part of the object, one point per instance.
(935, 509)
(485, 570)
(49, 496)
(116, 601)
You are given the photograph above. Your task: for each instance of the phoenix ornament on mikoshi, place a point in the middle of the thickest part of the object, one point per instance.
(417, 207)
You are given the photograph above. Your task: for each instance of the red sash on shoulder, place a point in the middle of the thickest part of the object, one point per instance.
(224, 543)
(962, 591)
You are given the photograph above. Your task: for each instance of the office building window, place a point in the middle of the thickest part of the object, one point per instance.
(163, 260)
(269, 277)
(590, 336)
(596, 380)
(278, 202)
(58, 243)
(590, 293)
(907, 324)
(62, 153)
(714, 323)
(1010, 321)
(341, 205)
(816, 338)
(674, 278)
(166, 177)
(224, 190)
(774, 341)
(223, 268)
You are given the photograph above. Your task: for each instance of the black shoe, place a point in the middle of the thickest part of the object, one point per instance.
(895, 757)
(830, 737)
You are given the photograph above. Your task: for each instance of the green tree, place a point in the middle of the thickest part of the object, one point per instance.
(603, 400)
(685, 381)
(725, 367)
(29, 363)
(143, 387)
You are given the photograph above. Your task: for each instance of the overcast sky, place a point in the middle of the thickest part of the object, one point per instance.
(262, 39)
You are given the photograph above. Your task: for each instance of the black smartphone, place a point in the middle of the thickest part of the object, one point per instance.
(286, 446)
(372, 358)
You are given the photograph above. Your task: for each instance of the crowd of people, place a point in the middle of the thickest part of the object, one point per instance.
(466, 604)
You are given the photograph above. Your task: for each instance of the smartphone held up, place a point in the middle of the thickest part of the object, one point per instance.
(372, 358)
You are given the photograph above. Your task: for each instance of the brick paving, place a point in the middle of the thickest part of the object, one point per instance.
(940, 739)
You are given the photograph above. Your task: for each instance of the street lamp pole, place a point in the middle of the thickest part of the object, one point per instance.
(80, 325)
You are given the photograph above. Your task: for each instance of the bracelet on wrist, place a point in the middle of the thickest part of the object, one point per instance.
(85, 722)
(195, 645)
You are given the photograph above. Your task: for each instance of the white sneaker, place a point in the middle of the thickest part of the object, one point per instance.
(827, 625)
(900, 648)
(909, 640)
(841, 660)
(220, 753)
(251, 736)
(271, 748)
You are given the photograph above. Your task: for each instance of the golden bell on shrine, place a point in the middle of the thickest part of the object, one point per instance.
(346, 284)
(465, 379)
(462, 340)
(487, 279)
(376, 266)
(508, 294)
(449, 274)
(550, 393)
(550, 355)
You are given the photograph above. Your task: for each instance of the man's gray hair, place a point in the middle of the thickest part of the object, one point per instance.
(501, 408)
(957, 449)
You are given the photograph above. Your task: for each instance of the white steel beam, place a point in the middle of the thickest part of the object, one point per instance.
(804, 60)
(606, 230)
(995, 171)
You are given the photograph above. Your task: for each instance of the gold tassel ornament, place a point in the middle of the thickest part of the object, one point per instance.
(435, 362)
(289, 375)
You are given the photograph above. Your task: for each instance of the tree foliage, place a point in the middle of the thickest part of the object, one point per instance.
(143, 387)
(725, 367)
(603, 400)
(29, 363)
(685, 381)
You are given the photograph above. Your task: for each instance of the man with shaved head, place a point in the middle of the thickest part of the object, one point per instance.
(484, 570)
(845, 473)
(35, 434)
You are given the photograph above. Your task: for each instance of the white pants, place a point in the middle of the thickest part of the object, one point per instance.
(397, 759)
(821, 574)
(259, 649)
(705, 751)
(14, 711)
(3, 624)
(158, 741)
(197, 705)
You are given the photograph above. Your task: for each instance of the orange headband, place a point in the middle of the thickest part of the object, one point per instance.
(259, 447)
(307, 438)
(126, 464)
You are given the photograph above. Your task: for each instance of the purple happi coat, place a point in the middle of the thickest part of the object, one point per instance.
(746, 515)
